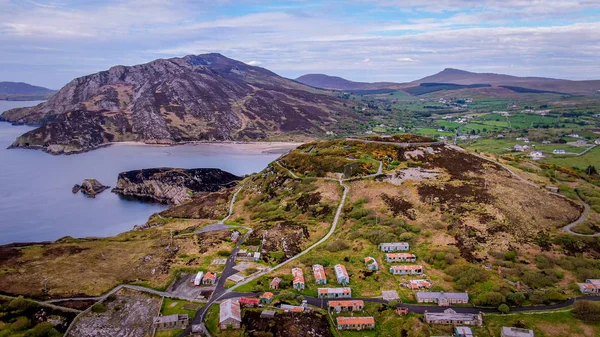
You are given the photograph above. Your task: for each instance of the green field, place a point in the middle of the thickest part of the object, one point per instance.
(590, 158)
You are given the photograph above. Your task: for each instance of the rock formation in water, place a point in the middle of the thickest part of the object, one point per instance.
(195, 98)
(90, 187)
(172, 186)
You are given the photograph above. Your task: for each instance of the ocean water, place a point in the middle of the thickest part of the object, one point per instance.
(36, 202)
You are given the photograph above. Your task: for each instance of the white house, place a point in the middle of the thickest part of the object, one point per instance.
(198, 278)
(393, 246)
(407, 270)
(591, 286)
(557, 151)
(536, 154)
(341, 274)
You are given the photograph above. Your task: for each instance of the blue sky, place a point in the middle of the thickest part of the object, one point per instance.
(49, 43)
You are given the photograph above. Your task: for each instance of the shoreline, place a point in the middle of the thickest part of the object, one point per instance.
(258, 147)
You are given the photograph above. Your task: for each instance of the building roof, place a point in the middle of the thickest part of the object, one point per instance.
(394, 244)
(170, 318)
(344, 290)
(293, 308)
(355, 320)
(346, 303)
(298, 275)
(464, 331)
(267, 295)
(450, 314)
(441, 295)
(267, 313)
(401, 255)
(210, 276)
(249, 300)
(593, 281)
(589, 286)
(416, 284)
(340, 270)
(230, 309)
(370, 259)
(276, 280)
(408, 267)
(516, 332)
(319, 272)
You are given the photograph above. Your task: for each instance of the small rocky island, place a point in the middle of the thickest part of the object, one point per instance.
(172, 186)
(90, 187)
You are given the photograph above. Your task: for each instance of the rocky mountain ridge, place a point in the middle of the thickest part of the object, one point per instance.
(194, 98)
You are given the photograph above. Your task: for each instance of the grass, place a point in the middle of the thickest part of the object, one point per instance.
(559, 323)
(590, 158)
(175, 306)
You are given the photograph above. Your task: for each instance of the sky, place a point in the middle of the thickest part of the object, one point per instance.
(49, 43)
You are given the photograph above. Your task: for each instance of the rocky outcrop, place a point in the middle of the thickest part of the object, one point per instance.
(90, 187)
(172, 186)
(195, 98)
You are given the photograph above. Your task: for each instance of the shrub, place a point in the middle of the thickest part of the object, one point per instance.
(44, 329)
(223, 252)
(19, 305)
(515, 298)
(587, 311)
(286, 295)
(510, 255)
(111, 297)
(491, 299)
(503, 308)
(538, 297)
(21, 323)
(466, 275)
(98, 308)
(336, 246)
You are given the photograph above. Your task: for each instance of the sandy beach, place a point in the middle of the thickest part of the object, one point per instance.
(246, 147)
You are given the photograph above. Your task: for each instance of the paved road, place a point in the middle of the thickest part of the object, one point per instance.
(323, 239)
(586, 151)
(420, 309)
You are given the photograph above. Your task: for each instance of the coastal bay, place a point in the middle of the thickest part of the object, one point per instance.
(35, 187)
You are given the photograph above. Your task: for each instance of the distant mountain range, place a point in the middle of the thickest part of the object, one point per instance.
(205, 97)
(22, 91)
(460, 77)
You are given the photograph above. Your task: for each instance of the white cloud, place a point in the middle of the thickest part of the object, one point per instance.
(474, 35)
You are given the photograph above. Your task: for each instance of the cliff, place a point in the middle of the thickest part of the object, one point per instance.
(195, 98)
(172, 185)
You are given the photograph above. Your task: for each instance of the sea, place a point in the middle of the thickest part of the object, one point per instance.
(36, 201)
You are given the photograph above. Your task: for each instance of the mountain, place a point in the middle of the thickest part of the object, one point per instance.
(23, 91)
(337, 83)
(514, 83)
(205, 97)
(498, 82)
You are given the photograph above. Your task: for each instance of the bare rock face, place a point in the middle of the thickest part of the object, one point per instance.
(90, 187)
(195, 98)
(172, 186)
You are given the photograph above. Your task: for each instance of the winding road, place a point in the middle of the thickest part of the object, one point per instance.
(568, 228)
(221, 293)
